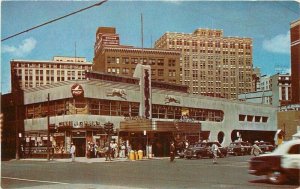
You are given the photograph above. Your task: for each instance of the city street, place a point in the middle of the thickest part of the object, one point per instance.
(230, 172)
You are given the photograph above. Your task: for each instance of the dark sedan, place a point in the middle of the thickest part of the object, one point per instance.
(203, 149)
(266, 146)
(239, 148)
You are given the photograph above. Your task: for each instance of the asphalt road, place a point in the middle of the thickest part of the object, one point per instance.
(230, 172)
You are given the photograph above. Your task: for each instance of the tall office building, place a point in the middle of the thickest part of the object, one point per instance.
(212, 64)
(33, 73)
(111, 57)
(295, 60)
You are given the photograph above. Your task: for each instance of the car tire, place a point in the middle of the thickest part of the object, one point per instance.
(276, 177)
(188, 158)
(199, 156)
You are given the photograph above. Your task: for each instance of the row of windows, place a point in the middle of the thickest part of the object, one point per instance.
(119, 108)
(49, 72)
(151, 61)
(52, 65)
(252, 118)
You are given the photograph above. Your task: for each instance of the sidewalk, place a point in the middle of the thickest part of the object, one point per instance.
(95, 160)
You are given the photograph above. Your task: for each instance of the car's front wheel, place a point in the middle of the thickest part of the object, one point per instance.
(276, 177)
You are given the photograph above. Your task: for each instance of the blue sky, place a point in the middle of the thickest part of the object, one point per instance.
(267, 23)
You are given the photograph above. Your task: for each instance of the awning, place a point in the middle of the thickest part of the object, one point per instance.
(159, 126)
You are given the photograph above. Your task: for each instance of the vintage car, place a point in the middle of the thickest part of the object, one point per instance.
(239, 148)
(203, 149)
(266, 146)
(279, 166)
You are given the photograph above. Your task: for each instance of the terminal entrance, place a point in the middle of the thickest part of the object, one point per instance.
(80, 144)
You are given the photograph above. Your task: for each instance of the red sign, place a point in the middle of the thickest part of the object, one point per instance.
(77, 90)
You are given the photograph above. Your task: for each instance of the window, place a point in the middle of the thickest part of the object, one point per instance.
(295, 149)
(160, 62)
(264, 119)
(257, 118)
(249, 118)
(160, 72)
(242, 117)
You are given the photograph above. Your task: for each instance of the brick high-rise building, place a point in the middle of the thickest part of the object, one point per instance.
(33, 73)
(295, 60)
(212, 64)
(111, 57)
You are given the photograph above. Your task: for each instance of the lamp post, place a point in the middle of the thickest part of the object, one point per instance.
(108, 128)
(48, 122)
(17, 132)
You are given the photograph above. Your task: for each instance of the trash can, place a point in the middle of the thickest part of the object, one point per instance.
(131, 155)
(140, 154)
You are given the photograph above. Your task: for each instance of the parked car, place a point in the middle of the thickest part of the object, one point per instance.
(239, 148)
(266, 146)
(203, 149)
(279, 166)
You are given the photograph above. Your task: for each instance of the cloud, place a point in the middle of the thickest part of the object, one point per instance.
(278, 44)
(21, 50)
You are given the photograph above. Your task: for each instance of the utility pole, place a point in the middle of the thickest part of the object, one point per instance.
(17, 130)
(48, 123)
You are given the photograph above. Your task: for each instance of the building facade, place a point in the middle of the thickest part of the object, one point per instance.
(82, 107)
(295, 60)
(212, 64)
(34, 73)
(274, 90)
(111, 57)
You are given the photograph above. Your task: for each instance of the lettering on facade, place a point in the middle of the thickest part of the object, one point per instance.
(134, 118)
(171, 98)
(121, 93)
(79, 124)
(147, 93)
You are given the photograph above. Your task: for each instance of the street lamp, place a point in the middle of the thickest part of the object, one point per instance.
(48, 123)
(108, 128)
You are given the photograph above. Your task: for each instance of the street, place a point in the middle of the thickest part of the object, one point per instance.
(230, 172)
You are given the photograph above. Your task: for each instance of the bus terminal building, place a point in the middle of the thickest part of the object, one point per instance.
(143, 112)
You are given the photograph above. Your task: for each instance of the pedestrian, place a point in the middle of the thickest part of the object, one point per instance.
(128, 150)
(62, 149)
(215, 149)
(107, 152)
(122, 151)
(172, 152)
(256, 149)
(96, 150)
(72, 151)
(52, 152)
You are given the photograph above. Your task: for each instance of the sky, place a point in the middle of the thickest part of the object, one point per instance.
(267, 23)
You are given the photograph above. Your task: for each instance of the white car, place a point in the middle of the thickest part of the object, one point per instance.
(280, 165)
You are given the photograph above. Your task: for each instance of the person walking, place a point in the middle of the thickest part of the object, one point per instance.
(72, 151)
(215, 150)
(107, 151)
(172, 152)
(255, 150)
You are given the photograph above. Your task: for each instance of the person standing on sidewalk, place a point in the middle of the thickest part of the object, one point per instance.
(72, 151)
(172, 152)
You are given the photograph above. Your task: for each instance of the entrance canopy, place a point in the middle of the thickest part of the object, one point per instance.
(159, 126)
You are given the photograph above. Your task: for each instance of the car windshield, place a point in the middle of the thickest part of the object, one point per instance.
(283, 148)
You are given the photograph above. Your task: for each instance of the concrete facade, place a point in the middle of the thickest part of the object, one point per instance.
(237, 115)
